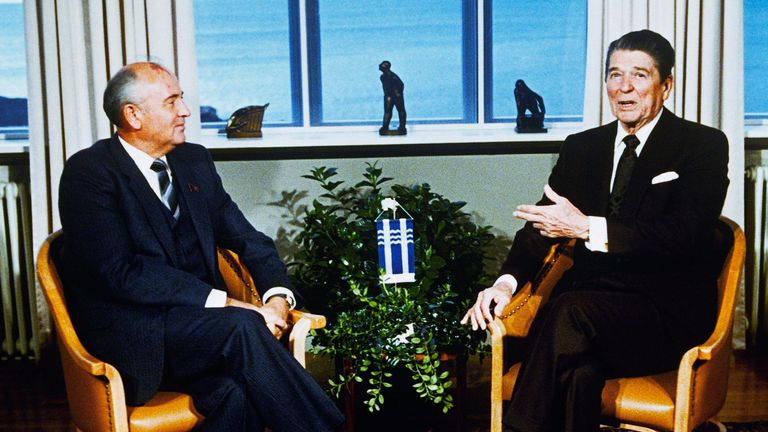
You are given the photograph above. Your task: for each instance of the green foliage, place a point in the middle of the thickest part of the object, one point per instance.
(379, 326)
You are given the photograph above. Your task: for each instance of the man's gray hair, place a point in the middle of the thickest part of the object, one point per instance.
(123, 89)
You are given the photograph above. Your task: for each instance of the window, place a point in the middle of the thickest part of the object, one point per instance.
(527, 40)
(247, 55)
(423, 40)
(250, 52)
(13, 69)
(755, 59)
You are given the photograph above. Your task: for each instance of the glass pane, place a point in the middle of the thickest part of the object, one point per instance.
(755, 58)
(244, 57)
(542, 42)
(13, 65)
(421, 38)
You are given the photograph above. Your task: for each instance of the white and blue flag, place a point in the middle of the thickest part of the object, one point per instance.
(396, 250)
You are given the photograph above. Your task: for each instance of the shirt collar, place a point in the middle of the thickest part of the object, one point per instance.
(642, 134)
(140, 158)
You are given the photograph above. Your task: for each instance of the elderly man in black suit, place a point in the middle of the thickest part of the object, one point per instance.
(143, 213)
(642, 196)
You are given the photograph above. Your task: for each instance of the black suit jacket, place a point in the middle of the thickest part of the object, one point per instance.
(660, 242)
(122, 269)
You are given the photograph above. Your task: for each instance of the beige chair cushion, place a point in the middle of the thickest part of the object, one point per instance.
(167, 411)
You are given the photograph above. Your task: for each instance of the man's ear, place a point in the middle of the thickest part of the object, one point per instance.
(668, 83)
(132, 116)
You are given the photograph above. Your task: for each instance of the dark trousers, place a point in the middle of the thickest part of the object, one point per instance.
(578, 340)
(239, 376)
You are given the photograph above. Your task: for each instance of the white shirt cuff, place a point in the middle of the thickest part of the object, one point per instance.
(280, 291)
(216, 299)
(598, 234)
(508, 278)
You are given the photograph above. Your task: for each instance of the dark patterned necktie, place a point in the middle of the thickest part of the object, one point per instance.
(623, 174)
(167, 193)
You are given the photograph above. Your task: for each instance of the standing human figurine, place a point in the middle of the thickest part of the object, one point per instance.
(528, 100)
(393, 97)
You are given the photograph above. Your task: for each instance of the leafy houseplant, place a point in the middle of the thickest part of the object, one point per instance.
(376, 326)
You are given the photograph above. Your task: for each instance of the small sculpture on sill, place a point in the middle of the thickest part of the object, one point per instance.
(246, 122)
(393, 98)
(530, 109)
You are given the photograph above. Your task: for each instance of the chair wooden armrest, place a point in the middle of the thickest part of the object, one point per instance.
(241, 286)
(315, 321)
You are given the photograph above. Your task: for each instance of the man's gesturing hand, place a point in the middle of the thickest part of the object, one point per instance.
(480, 313)
(561, 219)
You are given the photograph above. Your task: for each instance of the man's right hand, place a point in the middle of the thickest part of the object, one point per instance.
(480, 314)
(275, 323)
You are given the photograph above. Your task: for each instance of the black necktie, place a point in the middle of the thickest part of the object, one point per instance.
(167, 193)
(623, 174)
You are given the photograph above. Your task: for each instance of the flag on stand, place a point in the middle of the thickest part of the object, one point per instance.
(396, 250)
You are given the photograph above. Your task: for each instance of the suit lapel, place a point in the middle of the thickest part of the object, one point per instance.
(659, 150)
(189, 189)
(604, 168)
(590, 188)
(145, 196)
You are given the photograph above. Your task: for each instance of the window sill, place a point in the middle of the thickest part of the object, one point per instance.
(356, 142)
(756, 135)
(14, 151)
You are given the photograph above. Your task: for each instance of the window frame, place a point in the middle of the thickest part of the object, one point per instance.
(468, 64)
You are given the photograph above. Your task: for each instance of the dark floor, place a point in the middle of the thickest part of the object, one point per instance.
(32, 397)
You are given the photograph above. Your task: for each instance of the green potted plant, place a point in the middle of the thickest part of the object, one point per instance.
(374, 326)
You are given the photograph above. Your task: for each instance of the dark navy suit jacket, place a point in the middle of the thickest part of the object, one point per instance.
(660, 241)
(122, 270)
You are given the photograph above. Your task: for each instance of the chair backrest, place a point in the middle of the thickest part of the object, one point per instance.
(237, 277)
(710, 384)
(94, 388)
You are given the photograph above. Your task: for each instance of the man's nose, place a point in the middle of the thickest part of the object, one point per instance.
(626, 84)
(183, 109)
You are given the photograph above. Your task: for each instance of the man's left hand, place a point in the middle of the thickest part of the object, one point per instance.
(275, 312)
(561, 219)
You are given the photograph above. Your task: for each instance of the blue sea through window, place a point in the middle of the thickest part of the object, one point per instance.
(755, 59)
(424, 42)
(542, 42)
(13, 68)
(247, 55)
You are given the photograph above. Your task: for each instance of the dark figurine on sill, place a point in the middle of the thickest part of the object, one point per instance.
(528, 100)
(393, 98)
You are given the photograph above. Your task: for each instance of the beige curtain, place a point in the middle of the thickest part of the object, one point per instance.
(709, 83)
(73, 47)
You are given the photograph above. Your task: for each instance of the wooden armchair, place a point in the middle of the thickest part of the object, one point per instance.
(94, 388)
(677, 400)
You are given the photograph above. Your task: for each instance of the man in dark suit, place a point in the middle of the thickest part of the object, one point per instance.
(142, 214)
(642, 196)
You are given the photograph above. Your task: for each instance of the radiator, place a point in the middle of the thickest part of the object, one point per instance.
(20, 328)
(756, 270)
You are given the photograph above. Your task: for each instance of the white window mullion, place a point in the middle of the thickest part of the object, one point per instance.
(303, 51)
(480, 29)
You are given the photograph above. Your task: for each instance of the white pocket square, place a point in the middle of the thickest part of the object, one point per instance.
(664, 177)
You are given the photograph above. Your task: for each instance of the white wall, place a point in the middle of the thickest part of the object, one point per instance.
(492, 186)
